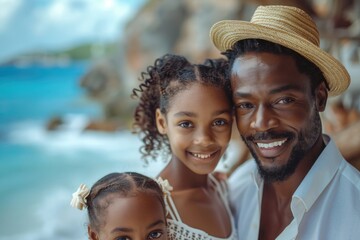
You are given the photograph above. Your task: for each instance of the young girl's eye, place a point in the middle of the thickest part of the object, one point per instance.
(219, 122)
(186, 124)
(155, 235)
(123, 238)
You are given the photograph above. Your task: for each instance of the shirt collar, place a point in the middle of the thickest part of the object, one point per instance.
(320, 174)
(257, 178)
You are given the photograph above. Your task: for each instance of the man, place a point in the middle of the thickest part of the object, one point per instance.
(298, 186)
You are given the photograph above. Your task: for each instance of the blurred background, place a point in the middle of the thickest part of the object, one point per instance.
(67, 68)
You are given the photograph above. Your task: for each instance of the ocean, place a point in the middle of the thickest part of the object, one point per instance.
(39, 169)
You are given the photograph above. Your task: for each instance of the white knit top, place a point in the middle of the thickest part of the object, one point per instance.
(177, 230)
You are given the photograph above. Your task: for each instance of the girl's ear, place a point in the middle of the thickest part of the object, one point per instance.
(161, 122)
(92, 235)
(321, 96)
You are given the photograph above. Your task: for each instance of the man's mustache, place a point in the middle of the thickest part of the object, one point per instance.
(269, 136)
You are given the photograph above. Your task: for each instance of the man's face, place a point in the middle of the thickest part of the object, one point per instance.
(277, 116)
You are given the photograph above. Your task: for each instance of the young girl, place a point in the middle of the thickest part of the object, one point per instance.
(186, 110)
(123, 206)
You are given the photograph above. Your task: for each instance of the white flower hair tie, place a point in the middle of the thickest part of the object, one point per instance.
(164, 185)
(79, 197)
(166, 188)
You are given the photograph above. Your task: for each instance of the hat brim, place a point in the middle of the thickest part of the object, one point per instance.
(226, 33)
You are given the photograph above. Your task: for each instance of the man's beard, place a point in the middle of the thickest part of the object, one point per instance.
(281, 173)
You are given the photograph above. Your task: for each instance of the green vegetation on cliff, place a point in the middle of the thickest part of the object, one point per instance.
(88, 51)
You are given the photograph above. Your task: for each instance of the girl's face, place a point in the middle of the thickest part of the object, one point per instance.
(133, 218)
(198, 126)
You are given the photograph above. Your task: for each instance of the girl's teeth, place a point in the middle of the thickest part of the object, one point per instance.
(270, 145)
(201, 155)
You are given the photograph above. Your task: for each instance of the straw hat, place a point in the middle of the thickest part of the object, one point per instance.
(287, 26)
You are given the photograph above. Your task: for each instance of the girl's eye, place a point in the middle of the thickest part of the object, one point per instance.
(219, 122)
(155, 235)
(185, 124)
(123, 238)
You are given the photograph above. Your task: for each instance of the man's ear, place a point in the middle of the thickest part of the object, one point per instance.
(321, 96)
(161, 122)
(92, 234)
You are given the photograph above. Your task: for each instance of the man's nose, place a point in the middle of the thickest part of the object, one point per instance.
(264, 119)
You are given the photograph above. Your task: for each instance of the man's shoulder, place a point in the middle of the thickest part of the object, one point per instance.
(350, 174)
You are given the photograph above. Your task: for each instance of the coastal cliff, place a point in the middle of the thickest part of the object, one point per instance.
(160, 27)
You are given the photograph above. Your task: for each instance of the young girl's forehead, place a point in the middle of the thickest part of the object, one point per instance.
(104, 201)
(134, 213)
(111, 198)
(141, 201)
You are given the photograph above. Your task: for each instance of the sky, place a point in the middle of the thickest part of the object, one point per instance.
(31, 25)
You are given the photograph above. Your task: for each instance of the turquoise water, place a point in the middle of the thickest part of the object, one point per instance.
(39, 170)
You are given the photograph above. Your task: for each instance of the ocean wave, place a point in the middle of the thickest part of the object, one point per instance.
(53, 218)
(71, 137)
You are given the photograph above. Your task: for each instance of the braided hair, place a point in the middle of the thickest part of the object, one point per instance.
(119, 184)
(168, 76)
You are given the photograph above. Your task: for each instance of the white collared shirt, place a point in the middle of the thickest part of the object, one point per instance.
(326, 205)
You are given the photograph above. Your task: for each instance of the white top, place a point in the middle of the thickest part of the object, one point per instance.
(326, 205)
(178, 230)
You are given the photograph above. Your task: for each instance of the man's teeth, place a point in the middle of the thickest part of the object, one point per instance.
(270, 145)
(201, 155)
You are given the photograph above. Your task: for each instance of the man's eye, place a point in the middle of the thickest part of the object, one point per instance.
(155, 235)
(185, 124)
(285, 100)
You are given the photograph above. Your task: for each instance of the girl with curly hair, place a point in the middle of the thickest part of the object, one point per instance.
(185, 112)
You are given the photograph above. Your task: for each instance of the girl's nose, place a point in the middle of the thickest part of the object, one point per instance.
(203, 136)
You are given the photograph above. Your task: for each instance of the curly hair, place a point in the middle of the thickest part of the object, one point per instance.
(124, 185)
(168, 76)
(258, 45)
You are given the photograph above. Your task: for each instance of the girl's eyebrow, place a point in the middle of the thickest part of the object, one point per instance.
(127, 230)
(191, 114)
(122, 229)
(187, 114)
(156, 223)
(222, 111)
